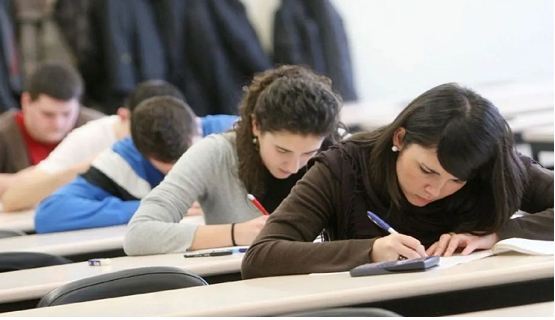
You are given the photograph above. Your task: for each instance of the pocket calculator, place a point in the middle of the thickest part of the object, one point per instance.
(408, 265)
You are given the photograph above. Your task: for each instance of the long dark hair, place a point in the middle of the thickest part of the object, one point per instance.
(474, 143)
(289, 98)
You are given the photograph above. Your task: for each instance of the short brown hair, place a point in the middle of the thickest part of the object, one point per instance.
(57, 80)
(162, 128)
(151, 88)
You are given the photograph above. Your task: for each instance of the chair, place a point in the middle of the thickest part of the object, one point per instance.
(122, 283)
(344, 312)
(14, 261)
(11, 233)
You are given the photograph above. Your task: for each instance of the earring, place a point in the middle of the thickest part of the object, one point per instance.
(394, 148)
(255, 142)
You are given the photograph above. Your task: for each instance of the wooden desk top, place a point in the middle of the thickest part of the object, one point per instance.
(279, 295)
(35, 283)
(22, 221)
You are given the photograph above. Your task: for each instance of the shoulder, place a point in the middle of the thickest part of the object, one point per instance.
(7, 120)
(215, 152)
(344, 157)
(218, 142)
(94, 129)
(534, 170)
(86, 115)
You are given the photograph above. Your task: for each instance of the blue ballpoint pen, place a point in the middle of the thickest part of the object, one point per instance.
(382, 224)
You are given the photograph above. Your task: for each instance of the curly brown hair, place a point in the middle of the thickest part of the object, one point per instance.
(289, 98)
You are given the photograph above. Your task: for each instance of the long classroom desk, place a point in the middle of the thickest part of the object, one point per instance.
(78, 244)
(479, 285)
(19, 221)
(22, 289)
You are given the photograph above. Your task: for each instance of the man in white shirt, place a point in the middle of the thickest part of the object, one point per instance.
(75, 153)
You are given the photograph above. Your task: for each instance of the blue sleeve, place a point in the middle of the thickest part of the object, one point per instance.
(217, 123)
(81, 205)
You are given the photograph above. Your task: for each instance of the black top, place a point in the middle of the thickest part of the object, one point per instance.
(278, 189)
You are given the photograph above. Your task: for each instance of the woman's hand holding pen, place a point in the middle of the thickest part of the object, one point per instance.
(246, 232)
(448, 243)
(393, 246)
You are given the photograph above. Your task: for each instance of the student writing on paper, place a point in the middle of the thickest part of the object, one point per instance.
(74, 154)
(445, 175)
(109, 192)
(286, 115)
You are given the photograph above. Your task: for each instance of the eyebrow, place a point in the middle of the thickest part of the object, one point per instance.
(286, 150)
(434, 172)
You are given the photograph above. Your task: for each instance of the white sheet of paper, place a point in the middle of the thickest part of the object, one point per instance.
(447, 262)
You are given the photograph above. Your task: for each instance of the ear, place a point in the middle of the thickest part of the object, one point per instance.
(255, 128)
(25, 101)
(398, 137)
(124, 114)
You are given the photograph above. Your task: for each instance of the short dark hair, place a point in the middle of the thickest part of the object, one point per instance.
(474, 143)
(151, 88)
(55, 79)
(162, 128)
(289, 98)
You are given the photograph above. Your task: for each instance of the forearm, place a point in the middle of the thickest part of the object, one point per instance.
(34, 187)
(64, 212)
(537, 226)
(290, 231)
(213, 236)
(6, 180)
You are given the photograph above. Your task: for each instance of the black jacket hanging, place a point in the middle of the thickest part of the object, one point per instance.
(10, 59)
(311, 33)
(212, 51)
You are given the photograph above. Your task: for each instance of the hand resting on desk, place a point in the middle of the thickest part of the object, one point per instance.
(448, 243)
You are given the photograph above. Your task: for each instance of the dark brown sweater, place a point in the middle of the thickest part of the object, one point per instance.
(13, 151)
(318, 202)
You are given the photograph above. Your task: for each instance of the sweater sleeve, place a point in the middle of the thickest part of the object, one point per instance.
(285, 245)
(538, 201)
(81, 205)
(155, 227)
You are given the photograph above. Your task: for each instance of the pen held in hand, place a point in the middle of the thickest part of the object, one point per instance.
(257, 204)
(380, 223)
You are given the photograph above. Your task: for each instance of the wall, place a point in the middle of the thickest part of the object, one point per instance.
(403, 47)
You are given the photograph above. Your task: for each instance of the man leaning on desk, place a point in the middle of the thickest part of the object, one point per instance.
(109, 193)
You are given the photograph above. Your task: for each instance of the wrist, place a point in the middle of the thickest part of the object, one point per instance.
(233, 241)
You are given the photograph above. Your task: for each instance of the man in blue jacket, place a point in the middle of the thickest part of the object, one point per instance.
(162, 129)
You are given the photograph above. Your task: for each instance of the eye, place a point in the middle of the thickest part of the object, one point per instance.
(425, 171)
(458, 181)
(281, 151)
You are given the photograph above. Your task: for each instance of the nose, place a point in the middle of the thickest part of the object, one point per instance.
(294, 165)
(58, 123)
(433, 190)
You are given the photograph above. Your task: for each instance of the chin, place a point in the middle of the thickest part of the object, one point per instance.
(279, 174)
(416, 201)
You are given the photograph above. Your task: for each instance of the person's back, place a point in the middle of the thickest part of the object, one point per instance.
(162, 129)
(49, 111)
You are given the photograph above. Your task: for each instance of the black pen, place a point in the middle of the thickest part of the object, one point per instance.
(215, 253)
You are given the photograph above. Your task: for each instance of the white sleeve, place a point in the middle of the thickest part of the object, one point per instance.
(81, 143)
